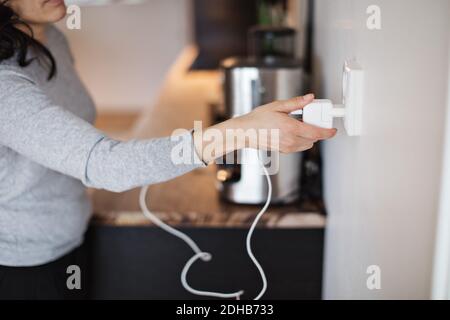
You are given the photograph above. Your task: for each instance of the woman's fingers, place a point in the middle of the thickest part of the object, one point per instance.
(293, 104)
(293, 135)
(305, 130)
(300, 136)
(296, 144)
(314, 133)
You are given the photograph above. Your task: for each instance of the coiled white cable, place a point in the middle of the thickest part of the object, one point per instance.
(206, 256)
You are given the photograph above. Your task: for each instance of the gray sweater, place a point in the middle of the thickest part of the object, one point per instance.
(50, 152)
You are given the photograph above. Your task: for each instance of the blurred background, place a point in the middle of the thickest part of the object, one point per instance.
(144, 39)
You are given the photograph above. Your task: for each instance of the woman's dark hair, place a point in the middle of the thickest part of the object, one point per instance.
(14, 41)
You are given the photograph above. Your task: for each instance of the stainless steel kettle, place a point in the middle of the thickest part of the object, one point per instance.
(249, 83)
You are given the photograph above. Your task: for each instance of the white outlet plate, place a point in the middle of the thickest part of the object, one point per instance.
(353, 95)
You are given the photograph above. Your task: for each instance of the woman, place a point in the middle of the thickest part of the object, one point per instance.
(50, 152)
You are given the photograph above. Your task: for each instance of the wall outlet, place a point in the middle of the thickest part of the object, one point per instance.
(353, 95)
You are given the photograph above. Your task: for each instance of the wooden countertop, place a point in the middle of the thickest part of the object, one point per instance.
(193, 199)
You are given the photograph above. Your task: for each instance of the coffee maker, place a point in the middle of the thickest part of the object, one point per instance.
(270, 72)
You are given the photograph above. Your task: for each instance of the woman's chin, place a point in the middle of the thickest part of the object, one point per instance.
(57, 16)
(57, 10)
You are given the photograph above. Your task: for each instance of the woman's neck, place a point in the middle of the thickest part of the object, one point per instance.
(38, 31)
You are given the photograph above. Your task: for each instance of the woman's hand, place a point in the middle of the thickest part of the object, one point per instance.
(292, 135)
(295, 136)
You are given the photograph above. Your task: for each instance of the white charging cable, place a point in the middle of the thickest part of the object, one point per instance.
(206, 256)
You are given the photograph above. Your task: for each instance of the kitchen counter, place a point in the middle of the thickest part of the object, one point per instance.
(191, 200)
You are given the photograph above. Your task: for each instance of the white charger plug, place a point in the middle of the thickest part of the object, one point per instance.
(320, 113)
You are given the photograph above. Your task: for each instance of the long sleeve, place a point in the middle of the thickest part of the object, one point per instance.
(31, 125)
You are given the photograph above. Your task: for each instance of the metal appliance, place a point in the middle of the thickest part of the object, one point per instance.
(269, 73)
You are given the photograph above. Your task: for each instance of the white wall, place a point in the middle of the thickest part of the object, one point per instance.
(382, 189)
(123, 51)
(441, 270)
